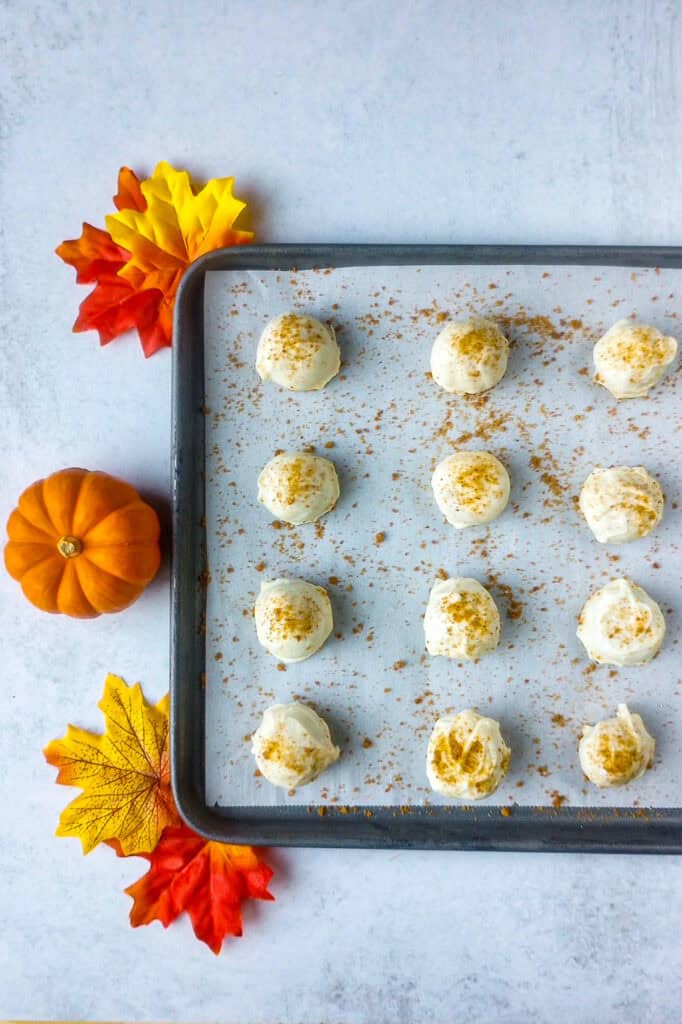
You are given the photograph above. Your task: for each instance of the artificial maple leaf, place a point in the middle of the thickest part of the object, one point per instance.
(115, 305)
(176, 227)
(95, 254)
(166, 227)
(129, 195)
(92, 255)
(208, 880)
(124, 774)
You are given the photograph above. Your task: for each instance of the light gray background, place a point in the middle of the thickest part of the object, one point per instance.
(385, 121)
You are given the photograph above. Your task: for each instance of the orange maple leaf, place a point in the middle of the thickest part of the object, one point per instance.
(208, 880)
(162, 225)
(175, 227)
(93, 254)
(115, 305)
(124, 774)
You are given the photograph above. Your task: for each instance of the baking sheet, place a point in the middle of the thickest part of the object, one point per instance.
(387, 425)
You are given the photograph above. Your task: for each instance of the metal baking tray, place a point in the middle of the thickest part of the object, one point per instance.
(412, 823)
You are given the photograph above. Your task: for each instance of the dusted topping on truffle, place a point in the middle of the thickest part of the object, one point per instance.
(467, 756)
(617, 750)
(293, 618)
(469, 356)
(461, 620)
(621, 625)
(621, 504)
(292, 745)
(297, 487)
(298, 353)
(630, 358)
(471, 488)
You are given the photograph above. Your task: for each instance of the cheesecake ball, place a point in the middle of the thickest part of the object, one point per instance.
(292, 745)
(293, 618)
(467, 757)
(297, 487)
(461, 620)
(470, 488)
(621, 625)
(298, 352)
(617, 750)
(621, 504)
(469, 356)
(630, 358)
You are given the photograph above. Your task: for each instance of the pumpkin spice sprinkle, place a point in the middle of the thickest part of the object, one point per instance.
(471, 488)
(617, 750)
(298, 352)
(469, 357)
(293, 618)
(292, 745)
(467, 757)
(297, 488)
(631, 358)
(621, 503)
(621, 624)
(461, 620)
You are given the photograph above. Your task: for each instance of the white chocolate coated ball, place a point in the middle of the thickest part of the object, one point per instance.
(471, 488)
(298, 352)
(469, 356)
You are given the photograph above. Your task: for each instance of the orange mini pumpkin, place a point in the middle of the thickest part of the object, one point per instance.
(82, 543)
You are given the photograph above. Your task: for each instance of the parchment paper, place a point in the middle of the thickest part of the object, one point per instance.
(385, 424)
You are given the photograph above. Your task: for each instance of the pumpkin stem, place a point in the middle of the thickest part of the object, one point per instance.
(69, 547)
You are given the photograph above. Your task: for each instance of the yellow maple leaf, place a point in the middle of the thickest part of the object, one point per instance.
(124, 774)
(176, 227)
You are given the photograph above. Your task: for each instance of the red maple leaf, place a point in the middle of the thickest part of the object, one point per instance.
(115, 305)
(208, 880)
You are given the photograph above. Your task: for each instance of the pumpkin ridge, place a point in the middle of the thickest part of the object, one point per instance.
(30, 568)
(78, 498)
(58, 492)
(46, 583)
(89, 550)
(110, 513)
(70, 578)
(111, 507)
(49, 539)
(133, 589)
(105, 572)
(40, 495)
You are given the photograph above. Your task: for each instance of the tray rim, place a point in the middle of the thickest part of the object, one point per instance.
(531, 829)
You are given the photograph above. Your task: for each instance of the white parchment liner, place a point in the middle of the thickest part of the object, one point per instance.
(385, 424)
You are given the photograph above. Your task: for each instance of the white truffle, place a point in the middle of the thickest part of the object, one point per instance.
(621, 504)
(467, 757)
(298, 487)
(293, 618)
(470, 488)
(461, 620)
(469, 356)
(621, 625)
(292, 745)
(630, 358)
(298, 352)
(617, 750)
